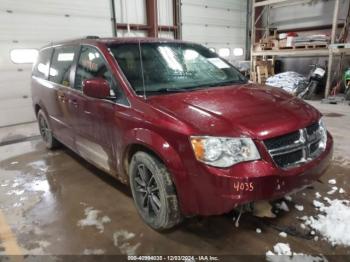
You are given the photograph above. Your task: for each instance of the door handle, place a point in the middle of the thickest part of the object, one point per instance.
(62, 98)
(73, 102)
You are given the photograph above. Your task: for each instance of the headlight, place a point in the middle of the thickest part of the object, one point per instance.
(323, 133)
(222, 151)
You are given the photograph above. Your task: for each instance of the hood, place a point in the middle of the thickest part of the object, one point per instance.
(246, 110)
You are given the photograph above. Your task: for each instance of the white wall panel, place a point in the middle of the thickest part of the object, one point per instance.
(134, 12)
(131, 33)
(131, 11)
(165, 12)
(166, 34)
(217, 24)
(316, 13)
(32, 24)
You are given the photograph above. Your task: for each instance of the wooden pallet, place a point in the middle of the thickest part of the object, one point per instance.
(310, 46)
(286, 47)
(340, 46)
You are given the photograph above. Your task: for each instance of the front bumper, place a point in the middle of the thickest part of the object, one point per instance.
(215, 191)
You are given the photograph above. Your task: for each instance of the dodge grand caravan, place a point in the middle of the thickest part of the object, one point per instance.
(180, 125)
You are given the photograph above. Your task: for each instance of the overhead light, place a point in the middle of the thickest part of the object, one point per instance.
(238, 51)
(224, 52)
(23, 56)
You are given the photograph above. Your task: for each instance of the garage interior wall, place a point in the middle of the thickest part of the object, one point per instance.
(133, 12)
(32, 24)
(317, 15)
(216, 24)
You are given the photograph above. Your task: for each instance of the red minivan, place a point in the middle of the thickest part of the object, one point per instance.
(179, 124)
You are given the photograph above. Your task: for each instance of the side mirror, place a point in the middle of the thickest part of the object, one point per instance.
(96, 87)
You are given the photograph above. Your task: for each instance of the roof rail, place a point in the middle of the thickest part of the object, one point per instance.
(92, 37)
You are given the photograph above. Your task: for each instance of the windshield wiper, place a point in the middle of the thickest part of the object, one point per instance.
(161, 91)
(229, 83)
(188, 89)
(218, 84)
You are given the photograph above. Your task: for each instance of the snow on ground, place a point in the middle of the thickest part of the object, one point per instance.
(317, 204)
(288, 198)
(334, 189)
(92, 219)
(122, 240)
(283, 234)
(37, 248)
(299, 207)
(282, 253)
(333, 221)
(93, 252)
(282, 206)
(332, 181)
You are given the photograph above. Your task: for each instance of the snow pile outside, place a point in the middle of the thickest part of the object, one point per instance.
(92, 219)
(333, 221)
(282, 253)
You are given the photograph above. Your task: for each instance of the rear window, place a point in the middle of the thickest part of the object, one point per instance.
(41, 68)
(61, 64)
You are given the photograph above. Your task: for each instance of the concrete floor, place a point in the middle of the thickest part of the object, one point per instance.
(45, 195)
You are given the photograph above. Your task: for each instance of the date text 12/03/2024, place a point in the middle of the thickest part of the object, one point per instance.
(173, 258)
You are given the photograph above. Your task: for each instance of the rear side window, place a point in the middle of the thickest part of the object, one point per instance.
(41, 68)
(61, 64)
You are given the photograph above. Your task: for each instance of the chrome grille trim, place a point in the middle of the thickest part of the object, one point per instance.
(308, 137)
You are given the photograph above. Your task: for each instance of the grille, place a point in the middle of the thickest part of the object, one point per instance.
(282, 140)
(288, 159)
(312, 129)
(298, 147)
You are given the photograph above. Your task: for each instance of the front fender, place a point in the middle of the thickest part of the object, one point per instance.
(156, 143)
(172, 160)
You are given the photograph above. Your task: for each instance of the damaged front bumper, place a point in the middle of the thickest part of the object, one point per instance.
(217, 191)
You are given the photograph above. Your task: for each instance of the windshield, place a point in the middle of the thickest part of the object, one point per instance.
(173, 67)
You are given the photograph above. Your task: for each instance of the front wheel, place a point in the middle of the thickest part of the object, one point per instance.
(153, 192)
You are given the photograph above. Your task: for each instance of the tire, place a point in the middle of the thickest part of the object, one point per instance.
(153, 192)
(46, 131)
(311, 93)
(347, 93)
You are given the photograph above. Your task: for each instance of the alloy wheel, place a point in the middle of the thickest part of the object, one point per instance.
(147, 191)
(44, 129)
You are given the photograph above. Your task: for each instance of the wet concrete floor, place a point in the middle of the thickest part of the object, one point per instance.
(56, 203)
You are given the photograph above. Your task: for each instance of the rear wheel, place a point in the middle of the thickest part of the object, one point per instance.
(46, 131)
(153, 192)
